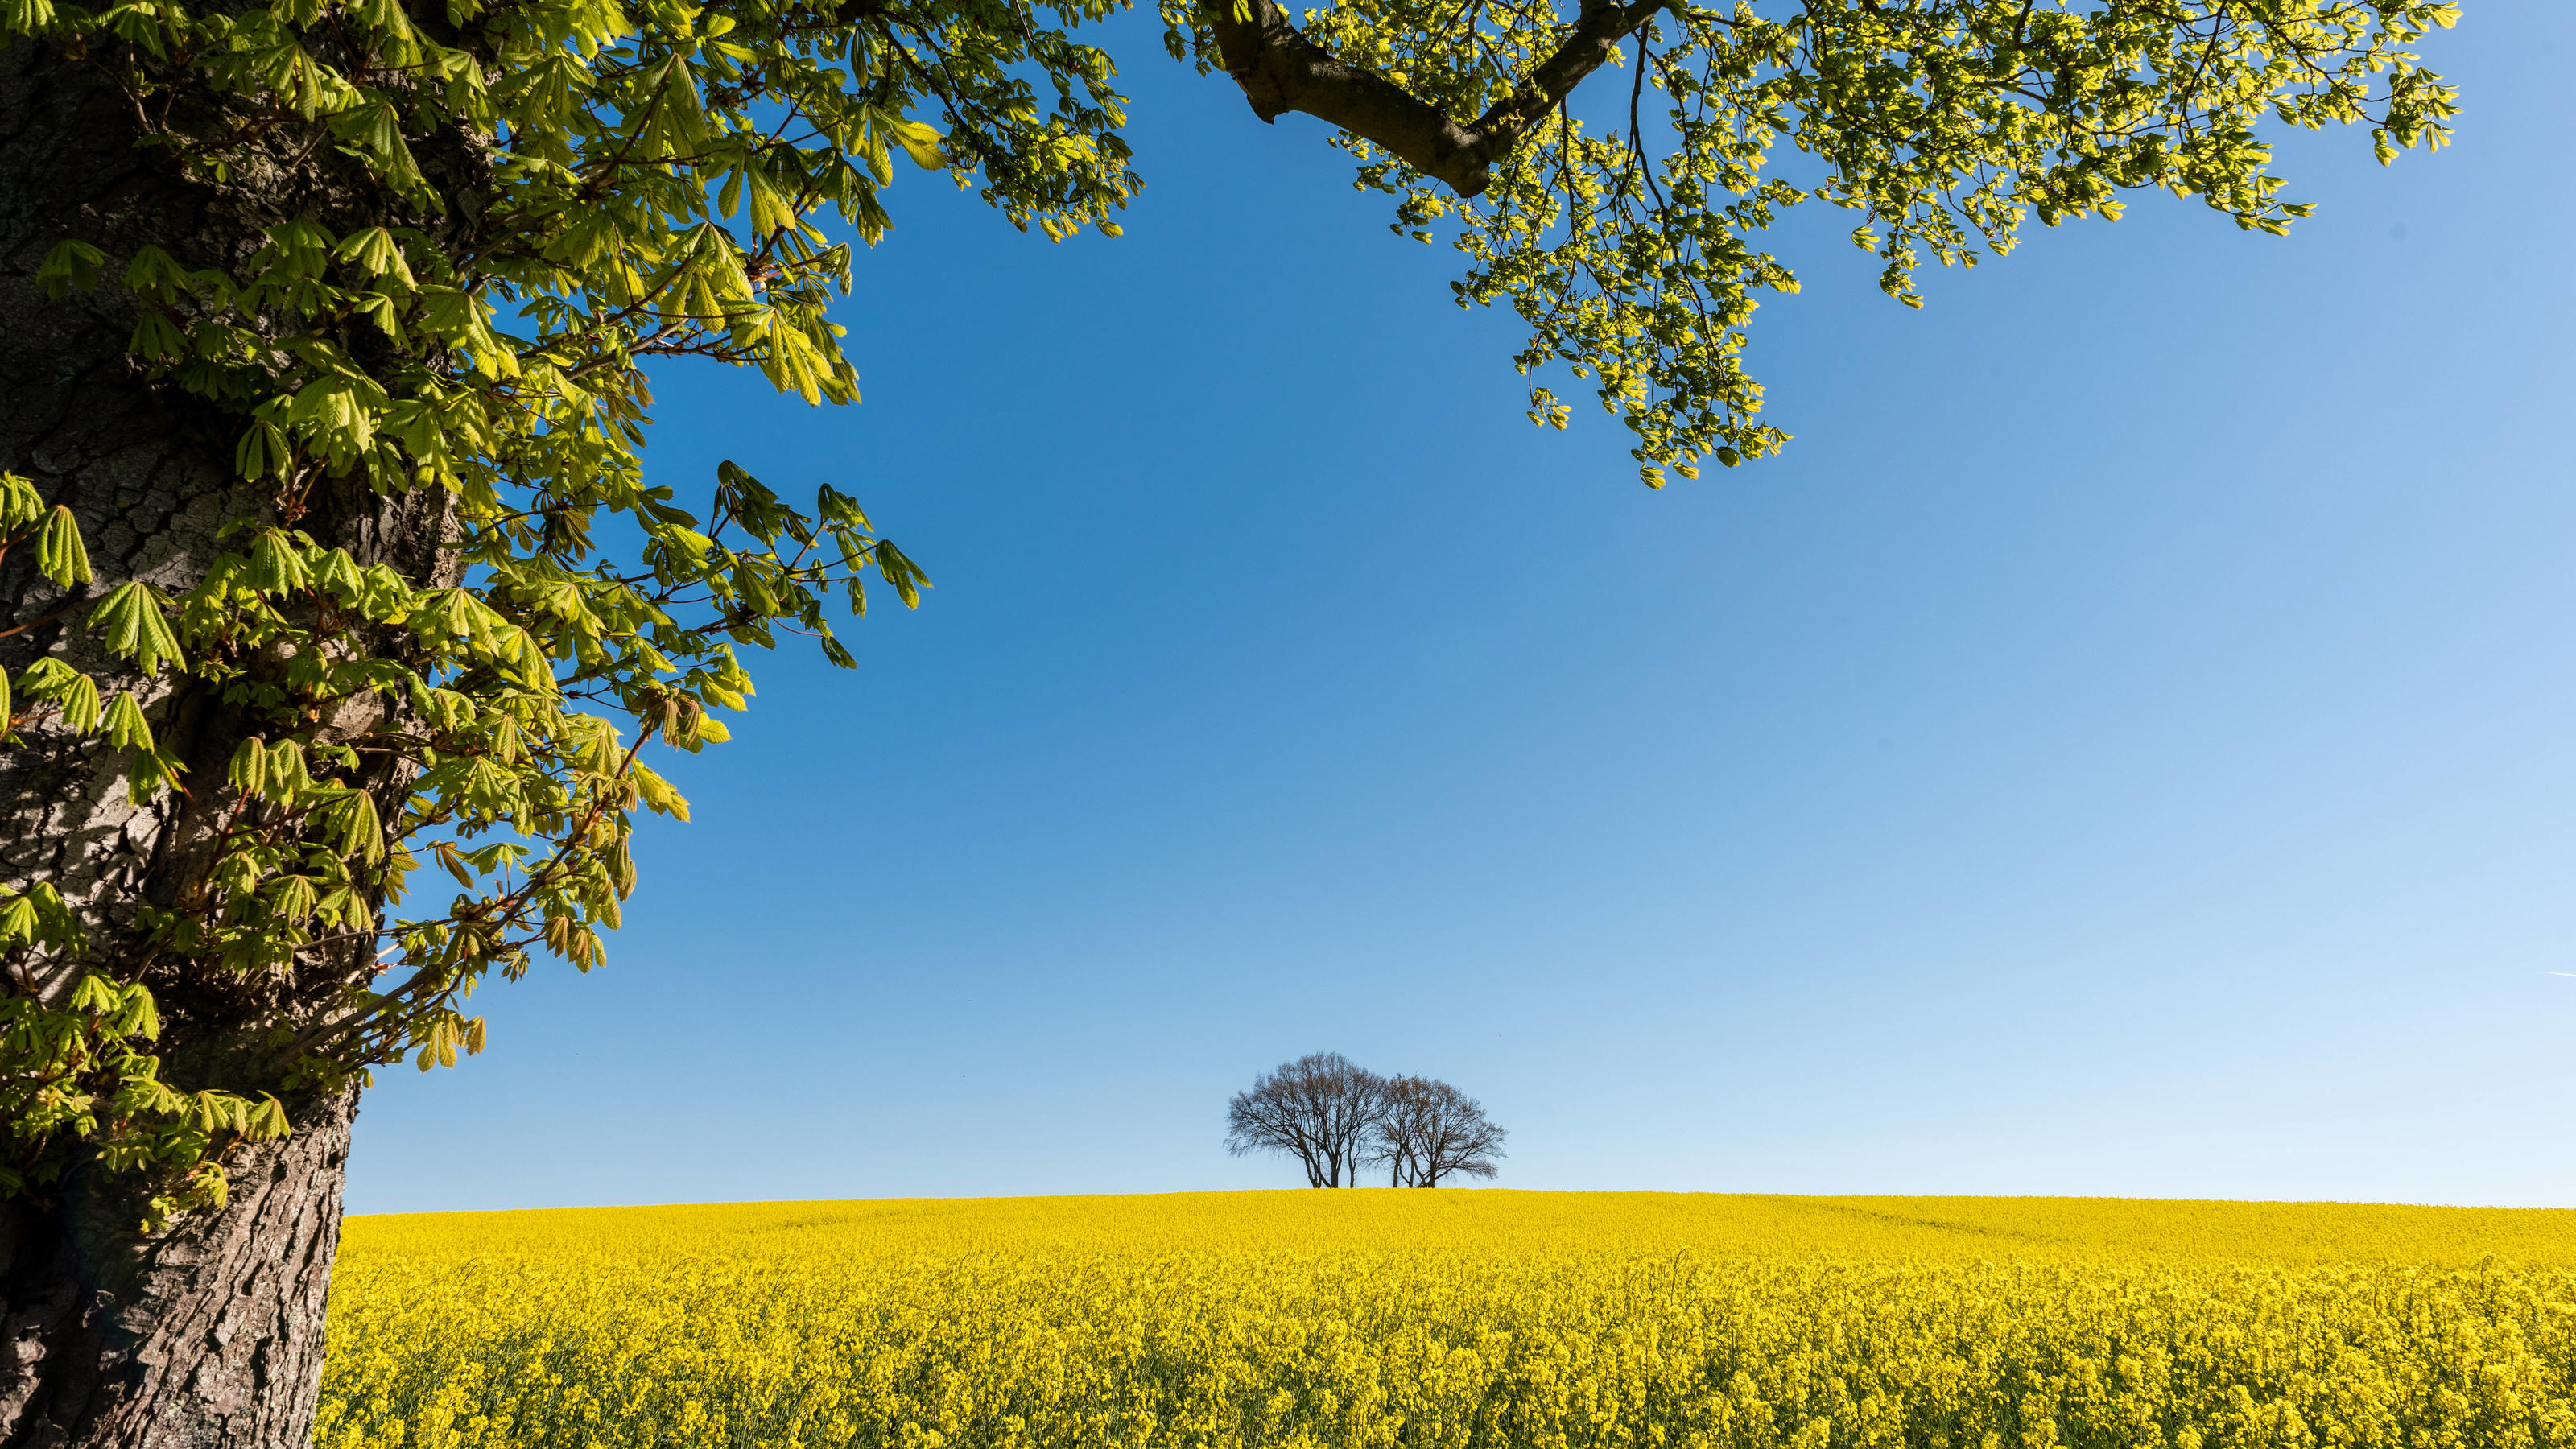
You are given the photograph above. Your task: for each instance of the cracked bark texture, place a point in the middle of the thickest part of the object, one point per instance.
(208, 1334)
(211, 1333)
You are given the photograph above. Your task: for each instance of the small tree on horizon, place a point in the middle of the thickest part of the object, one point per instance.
(1429, 1129)
(1335, 1117)
(1321, 1109)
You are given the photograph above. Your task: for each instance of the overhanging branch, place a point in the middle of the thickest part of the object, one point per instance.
(1280, 70)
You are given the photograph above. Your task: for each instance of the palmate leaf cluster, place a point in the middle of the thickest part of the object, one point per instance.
(497, 216)
(478, 222)
(1625, 229)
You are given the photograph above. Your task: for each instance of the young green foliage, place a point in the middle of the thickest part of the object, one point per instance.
(490, 216)
(647, 182)
(1625, 233)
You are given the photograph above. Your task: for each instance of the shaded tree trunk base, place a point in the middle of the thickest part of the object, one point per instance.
(208, 1336)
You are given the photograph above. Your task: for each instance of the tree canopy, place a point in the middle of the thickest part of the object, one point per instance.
(438, 243)
(1337, 1117)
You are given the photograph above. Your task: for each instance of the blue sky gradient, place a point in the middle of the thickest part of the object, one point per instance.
(2122, 748)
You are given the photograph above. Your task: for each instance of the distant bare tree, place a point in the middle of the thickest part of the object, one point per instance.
(1429, 1129)
(1321, 1109)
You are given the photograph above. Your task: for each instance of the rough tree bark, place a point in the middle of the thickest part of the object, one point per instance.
(209, 1334)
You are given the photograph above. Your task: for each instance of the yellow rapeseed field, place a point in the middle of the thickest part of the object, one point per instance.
(1442, 1320)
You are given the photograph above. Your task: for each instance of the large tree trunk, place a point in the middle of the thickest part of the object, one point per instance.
(208, 1335)
(211, 1332)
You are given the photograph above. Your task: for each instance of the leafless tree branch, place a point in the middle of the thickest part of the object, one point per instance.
(1429, 1130)
(1319, 1109)
(1337, 1117)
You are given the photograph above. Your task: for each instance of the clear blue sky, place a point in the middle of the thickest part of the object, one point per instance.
(2124, 747)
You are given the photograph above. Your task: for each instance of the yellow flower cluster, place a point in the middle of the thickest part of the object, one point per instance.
(1421, 1320)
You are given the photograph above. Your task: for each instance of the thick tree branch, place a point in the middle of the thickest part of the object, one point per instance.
(1281, 70)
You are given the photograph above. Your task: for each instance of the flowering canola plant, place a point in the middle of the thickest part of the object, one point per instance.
(1451, 1320)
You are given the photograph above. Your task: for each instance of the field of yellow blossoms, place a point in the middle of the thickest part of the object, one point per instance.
(1442, 1320)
